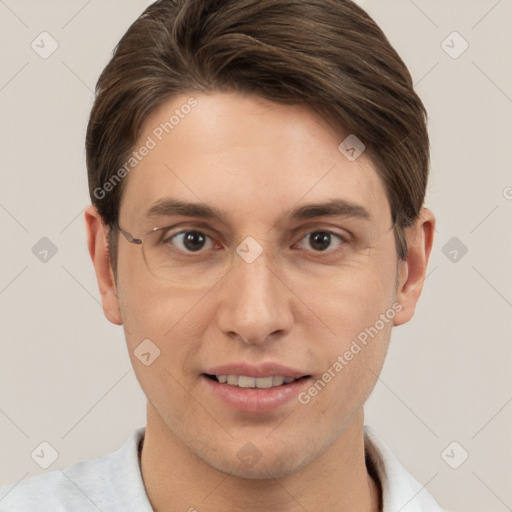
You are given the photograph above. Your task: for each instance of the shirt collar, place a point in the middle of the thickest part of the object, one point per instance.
(401, 492)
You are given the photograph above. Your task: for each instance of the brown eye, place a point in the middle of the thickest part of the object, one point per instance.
(320, 241)
(190, 241)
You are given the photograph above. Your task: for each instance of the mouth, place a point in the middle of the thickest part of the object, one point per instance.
(245, 381)
(264, 389)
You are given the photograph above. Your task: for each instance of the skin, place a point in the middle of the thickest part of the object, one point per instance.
(257, 160)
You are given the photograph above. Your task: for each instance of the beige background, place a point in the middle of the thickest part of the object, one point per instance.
(65, 375)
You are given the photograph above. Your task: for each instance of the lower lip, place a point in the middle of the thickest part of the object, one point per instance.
(255, 400)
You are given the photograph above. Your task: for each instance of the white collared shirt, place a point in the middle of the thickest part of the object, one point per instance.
(114, 483)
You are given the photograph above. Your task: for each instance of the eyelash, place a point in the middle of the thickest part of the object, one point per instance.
(343, 240)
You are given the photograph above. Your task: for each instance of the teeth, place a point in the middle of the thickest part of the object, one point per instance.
(277, 380)
(233, 380)
(243, 381)
(246, 382)
(263, 382)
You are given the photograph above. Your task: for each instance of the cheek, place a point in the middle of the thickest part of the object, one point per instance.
(357, 312)
(152, 311)
(172, 319)
(354, 298)
(163, 336)
(148, 308)
(350, 371)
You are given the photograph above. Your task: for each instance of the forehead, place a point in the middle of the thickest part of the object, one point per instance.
(247, 156)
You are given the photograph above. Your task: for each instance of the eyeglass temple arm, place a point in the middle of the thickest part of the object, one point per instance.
(127, 235)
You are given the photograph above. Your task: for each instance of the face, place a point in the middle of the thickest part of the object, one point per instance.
(294, 275)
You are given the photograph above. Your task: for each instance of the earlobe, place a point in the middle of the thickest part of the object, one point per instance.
(413, 270)
(98, 250)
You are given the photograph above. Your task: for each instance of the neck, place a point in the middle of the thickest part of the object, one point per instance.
(176, 480)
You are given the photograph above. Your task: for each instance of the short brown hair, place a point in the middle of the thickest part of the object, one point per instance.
(327, 54)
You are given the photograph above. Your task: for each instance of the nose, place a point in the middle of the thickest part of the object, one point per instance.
(254, 303)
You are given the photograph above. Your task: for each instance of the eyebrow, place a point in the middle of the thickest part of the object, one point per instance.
(332, 208)
(169, 207)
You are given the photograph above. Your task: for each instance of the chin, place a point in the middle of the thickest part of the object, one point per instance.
(251, 463)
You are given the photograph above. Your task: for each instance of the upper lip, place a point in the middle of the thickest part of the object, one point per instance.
(266, 369)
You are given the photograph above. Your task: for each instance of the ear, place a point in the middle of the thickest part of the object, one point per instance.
(413, 270)
(98, 249)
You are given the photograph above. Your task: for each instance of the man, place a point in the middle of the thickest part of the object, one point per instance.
(257, 171)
